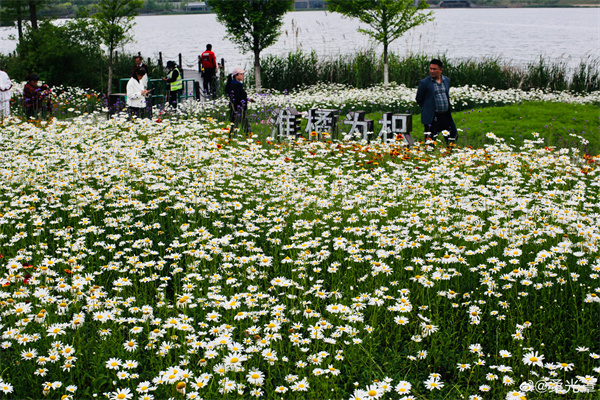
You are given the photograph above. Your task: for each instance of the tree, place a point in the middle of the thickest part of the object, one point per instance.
(71, 53)
(115, 21)
(16, 11)
(252, 25)
(388, 19)
(33, 10)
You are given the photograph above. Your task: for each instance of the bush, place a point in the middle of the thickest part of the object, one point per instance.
(365, 69)
(69, 55)
(62, 55)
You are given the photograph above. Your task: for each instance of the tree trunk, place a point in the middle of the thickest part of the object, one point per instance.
(110, 72)
(257, 71)
(33, 15)
(386, 70)
(20, 22)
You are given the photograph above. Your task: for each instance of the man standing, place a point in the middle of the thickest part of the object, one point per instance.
(433, 95)
(209, 67)
(139, 63)
(5, 94)
(175, 82)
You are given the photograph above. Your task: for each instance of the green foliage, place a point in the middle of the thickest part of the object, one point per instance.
(16, 12)
(70, 55)
(364, 69)
(388, 19)
(586, 76)
(115, 20)
(252, 25)
(62, 55)
(12, 11)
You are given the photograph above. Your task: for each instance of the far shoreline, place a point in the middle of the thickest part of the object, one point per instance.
(431, 7)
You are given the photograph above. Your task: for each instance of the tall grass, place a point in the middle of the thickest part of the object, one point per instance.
(365, 69)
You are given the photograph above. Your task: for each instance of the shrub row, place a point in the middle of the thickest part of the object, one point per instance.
(365, 69)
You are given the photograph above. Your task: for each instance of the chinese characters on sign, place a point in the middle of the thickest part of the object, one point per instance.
(396, 127)
(321, 124)
(359, 126)
(286, 124)
(324, 125)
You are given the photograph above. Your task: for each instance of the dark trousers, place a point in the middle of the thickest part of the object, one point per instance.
(441, 122)
(32, 110)
(137, 112)
(208, 80)
(238, 118)
(148, 109)
(173, 98)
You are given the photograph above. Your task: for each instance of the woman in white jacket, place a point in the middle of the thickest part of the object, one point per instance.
(136, 93)
(5, 86)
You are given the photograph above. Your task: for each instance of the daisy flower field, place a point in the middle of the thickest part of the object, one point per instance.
(169, 258)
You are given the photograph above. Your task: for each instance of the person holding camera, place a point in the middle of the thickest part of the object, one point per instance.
(136, 93)
(35, 97)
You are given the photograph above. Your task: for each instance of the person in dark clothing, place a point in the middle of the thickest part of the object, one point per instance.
(238, 99)
(139, 63)
(175, 81)
(209, 68)
(433, 95)
(36, 98)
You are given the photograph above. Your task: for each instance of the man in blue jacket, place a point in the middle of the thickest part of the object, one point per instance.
(433, 95)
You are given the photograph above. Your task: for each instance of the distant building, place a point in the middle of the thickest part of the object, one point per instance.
(455, 4)
(309, 5)
(196, 7)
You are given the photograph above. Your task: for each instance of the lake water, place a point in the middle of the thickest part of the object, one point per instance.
(520, 35)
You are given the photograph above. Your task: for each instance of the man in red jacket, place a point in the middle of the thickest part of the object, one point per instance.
(209, 66)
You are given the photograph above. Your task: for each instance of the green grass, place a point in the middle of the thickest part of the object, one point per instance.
(555, 122)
